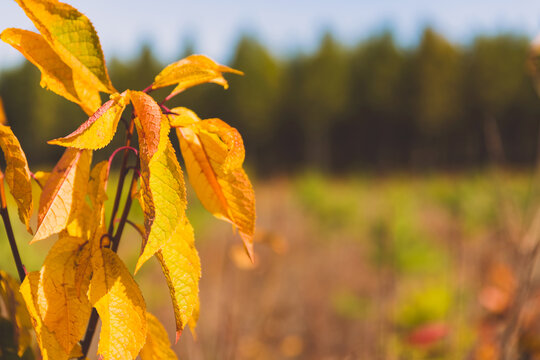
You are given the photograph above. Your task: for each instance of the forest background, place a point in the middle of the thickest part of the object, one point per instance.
(374, 106)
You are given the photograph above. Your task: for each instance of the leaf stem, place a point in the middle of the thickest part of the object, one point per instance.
(9, 230)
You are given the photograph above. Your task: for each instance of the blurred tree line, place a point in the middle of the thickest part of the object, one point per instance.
(374, 106)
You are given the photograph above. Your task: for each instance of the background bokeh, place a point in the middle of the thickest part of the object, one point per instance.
(394, 152)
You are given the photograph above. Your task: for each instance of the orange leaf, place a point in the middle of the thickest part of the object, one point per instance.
(64, 190)
(191, 71)
(148, 123)
(214, 152)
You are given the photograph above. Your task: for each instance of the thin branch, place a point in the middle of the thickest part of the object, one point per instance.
(125, 213)
(122, 176)
(9, 231)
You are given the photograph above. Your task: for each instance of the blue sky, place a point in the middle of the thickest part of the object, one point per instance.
(286, 26)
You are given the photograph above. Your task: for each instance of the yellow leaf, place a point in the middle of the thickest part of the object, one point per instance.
(16, 309)
(56, 75)
(182, 117)
(157, 346)
(88, 219)
(164, 196)
(191, 71)
(63, 192)
(121, 307)
(213, 153)
(62, 291)
(17, 174)
(98, 131)
(3, 119)
(73, 37)
(182, 268)
(49, 346)
(168, 232)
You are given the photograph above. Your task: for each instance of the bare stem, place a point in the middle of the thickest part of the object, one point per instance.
(122, 176)
(9, 230)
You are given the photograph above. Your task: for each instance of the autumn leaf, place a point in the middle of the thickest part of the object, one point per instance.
(182, 117)
(182, 268)
(166, 196)
(17, 174)
(16, 311)
(73, 37)
(49, 346)
(192, 71)
(168, 232)
(213, 153)
(120, 305)
(98, 131)
(157, 345)
(88, 218)
(56, 75)
(149, 123)
(62, 291)
(171, 236)
(63, 192)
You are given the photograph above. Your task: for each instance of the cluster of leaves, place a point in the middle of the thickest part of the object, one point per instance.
(82, 270)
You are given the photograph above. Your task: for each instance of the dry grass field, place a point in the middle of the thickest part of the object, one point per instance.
(400, 267)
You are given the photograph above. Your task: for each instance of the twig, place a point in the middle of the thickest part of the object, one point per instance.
(123, 171)
(125, 213)
(9, 231)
